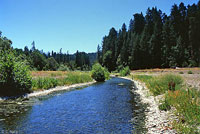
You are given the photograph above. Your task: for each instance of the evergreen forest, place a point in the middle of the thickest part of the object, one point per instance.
(154, 40)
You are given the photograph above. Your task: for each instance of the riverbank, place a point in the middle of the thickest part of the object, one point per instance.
(52, 79)
(58, 88)
(46, 82)
(191, 76)
(148, 118)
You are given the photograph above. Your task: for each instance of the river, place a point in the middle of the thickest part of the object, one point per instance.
(102, 108)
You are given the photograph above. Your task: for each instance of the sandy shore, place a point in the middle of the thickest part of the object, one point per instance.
(59, 88)
(148, 114)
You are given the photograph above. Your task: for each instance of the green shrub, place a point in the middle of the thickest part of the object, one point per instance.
(165, 106)
(192, 63)
(99, 73)
(125, 71)
(51, 64)
(15, 78)
(120, 67)
(63, 68)
(190, 72)
(181, 73)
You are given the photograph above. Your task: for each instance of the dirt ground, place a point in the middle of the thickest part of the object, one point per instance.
(190, 75)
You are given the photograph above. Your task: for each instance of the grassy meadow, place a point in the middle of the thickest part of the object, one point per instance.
(184, 98)
(49, 79)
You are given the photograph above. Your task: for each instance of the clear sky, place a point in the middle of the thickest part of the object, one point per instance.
(70, 24)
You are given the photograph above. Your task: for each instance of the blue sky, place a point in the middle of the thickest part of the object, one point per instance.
(70, 24)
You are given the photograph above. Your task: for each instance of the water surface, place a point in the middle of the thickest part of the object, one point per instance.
(100, 108)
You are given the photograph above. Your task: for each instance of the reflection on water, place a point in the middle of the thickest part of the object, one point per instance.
(100, 108)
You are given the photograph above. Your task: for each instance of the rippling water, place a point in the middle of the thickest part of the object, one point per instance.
(100, 108)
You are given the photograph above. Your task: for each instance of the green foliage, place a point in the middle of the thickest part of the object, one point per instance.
(72, 65)
(107, 74)
(63, 68)
(38, 60)
(99, 54)
(125, 71)
(82, 61)
(155, 40)
(15, 78)
(99, 73)
(164, 106)
(107, 60)
(181, 72)
(51, 64)
(5, 44)
(190, 72)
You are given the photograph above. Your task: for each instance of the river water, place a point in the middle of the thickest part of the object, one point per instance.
(102, 108)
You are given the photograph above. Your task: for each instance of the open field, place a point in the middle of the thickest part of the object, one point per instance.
(54, 74)
(51, 79)
(191, 76)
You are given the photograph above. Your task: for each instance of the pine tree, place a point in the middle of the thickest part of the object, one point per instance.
(33, 46)
(99, 54)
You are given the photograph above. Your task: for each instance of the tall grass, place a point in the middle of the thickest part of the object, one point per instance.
(160, 84)
(69, 79)
(143, 78)
(187, 106)
(78, 77)
(44, 83)
(186, 102)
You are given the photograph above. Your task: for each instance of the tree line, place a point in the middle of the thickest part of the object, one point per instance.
(39, 60)
(15, 66)
(154, 40)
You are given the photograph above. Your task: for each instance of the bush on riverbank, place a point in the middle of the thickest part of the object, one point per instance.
(15, 78)
(69, 79)
(99, 73)
(186, 103)
(125, 71)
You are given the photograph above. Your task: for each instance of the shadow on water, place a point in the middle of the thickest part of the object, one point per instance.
(139, 116)
(106, 107)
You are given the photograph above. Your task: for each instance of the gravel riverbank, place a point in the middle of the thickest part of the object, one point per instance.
(59, 88)
(148, 118)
